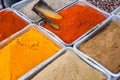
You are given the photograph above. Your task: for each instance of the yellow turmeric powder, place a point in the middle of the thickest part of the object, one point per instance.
(24, 53)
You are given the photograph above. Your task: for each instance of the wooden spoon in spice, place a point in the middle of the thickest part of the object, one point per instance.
(46, 12)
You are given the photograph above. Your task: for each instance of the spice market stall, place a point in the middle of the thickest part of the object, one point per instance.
(84, 46)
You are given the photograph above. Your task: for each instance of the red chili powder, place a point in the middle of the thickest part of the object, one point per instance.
(10, 23)
(76, 21)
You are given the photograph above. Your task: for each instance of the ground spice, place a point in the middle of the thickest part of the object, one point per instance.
(69, 67)
(27, 11)
(57, 4)
(54, 4)
(76, 21)
(105, 47)
(24, 53)
(10, 23)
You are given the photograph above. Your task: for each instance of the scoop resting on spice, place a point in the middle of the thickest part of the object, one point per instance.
(46, 12)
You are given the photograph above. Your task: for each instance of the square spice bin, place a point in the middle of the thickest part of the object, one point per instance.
(25, 9)
(76, 28)
(30, 47)
(107, 6)
(116, 12)
(114, 78)
(10, 23)
(66, 64)
(102, 46)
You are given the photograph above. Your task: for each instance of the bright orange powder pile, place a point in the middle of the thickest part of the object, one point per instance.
(76, 21)
(10, 23)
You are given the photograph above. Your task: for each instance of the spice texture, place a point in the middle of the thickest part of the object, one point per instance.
(106, 5)
(57, 4)
(24, 53)
(27, 10)
(105, 47)
(10, 23)
(76, 21)
(69, 67)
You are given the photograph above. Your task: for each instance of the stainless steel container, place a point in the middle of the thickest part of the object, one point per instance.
(21, 4)
(89, 31)
(41, 32)
(40, 67)
(116, 11)
(89, 36)
(4, 42)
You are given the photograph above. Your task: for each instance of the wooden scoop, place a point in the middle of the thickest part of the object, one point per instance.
(46, 12)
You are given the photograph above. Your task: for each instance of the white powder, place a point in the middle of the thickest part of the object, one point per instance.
(57, 4)
(27, 10)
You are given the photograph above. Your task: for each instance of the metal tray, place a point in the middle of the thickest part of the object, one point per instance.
(42, 32)
(19, 5)
(5, 41)
(40, 67)
(116, 11)
(89, 37)
(71, 44)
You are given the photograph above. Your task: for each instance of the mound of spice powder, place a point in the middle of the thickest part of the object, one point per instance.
(105, 47)
(76, 21)
(69, 67)
(10, 23)
(27, 11)
(106, 5)
(24, 53)
(57, 4)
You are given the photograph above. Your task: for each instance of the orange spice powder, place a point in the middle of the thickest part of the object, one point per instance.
(76, 21)
(24, 53)
(10, 23)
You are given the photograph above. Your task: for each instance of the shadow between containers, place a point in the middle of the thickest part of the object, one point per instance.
(88, 37)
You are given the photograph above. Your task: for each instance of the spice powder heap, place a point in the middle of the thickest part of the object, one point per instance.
(76, 21)
(10, 23)
(24, 53)
(105, 47)
(69, 67)
(57, 4)
(27, 10)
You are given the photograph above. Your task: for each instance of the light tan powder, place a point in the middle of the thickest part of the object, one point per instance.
(69, 67)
